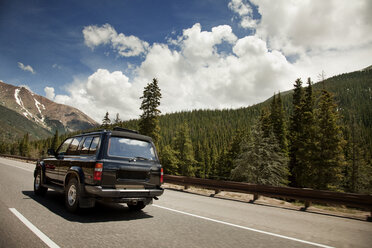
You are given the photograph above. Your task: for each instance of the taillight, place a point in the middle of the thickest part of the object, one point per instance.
(98, 171)
(161, 175)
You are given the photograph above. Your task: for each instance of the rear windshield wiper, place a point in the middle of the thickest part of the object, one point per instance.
(138, 158)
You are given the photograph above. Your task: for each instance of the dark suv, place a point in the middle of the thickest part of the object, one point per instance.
(116, 166)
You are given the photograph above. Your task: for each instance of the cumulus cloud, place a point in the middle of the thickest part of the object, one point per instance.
(102, 91)
(245, 13)
(26, 67)
(125, 46)
(194, 75)
(314, 26)
(49, 93)
(321, 35)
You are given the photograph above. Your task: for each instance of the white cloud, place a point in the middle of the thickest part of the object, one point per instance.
(26, 67)
(245, 13)
(310, 27)
(334, 36)
(49, 93)
(126, 46)
(103, 91)
(194, 75)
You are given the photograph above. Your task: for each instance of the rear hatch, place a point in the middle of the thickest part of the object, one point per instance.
(130, 164)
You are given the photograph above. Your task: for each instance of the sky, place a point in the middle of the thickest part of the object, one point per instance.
(98, 55)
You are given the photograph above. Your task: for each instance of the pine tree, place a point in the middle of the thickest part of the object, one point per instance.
(329, 160)
(106, 121)
(169, 160)
(307, 141)
(183, 147)
(265, 120)
(261, 161)
(117, 119)
(24, 146)
(55, 141)
(277, 119)
(226, 164)
(200, 161)
(296, 122)
(149, 122)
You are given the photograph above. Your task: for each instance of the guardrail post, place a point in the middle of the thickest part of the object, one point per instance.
(307, 205)
(187, 187)
(255, 197)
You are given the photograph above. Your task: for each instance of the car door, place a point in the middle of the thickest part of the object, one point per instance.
(52, 163)
(70, 155)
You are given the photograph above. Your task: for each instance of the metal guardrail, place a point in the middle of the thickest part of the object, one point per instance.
(309, 196)
(363, 201)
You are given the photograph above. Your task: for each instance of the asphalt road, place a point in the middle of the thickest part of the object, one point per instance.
(177, 220)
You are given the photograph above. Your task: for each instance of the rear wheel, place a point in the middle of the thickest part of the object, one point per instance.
(72, 195)
(136, 207)
(38, 188)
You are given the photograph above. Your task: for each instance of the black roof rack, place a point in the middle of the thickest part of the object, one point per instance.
(94, 131)
(115, 129)
(125, 130)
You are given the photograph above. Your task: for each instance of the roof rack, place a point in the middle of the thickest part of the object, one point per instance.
(125, 130)
(94, 131)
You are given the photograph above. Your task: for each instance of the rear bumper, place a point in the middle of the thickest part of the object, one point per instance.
(98, 191)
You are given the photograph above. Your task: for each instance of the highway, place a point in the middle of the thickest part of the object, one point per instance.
(177, 219)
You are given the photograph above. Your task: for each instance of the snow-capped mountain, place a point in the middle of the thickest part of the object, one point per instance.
(42, 111)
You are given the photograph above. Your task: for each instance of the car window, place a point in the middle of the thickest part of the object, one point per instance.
(85, 145)
(63, 148)
(94, 145)
(131, 148)
(73, 148)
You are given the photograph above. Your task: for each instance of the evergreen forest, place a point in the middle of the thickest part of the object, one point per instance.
(318, 135)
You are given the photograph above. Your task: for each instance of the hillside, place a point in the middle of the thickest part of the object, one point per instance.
(41, 117)
(212, 131)
(13, 126)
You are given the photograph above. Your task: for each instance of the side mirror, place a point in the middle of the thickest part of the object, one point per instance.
(51, 152)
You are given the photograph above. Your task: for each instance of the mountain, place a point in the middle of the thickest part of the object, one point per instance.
(23, 111)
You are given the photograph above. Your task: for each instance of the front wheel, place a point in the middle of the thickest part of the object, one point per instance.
(72, 195)
(38, 188)
(136, 207)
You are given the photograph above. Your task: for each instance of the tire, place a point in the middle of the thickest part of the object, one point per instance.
(72, 195)
(39, 190)
(136, 207)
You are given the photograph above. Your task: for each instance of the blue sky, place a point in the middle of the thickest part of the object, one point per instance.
(98, 55)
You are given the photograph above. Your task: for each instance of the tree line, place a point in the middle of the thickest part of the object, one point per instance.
(307, 137)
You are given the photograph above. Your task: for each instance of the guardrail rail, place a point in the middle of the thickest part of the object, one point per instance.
(362, 201)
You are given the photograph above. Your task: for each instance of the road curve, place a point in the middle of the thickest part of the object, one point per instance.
(177, 220)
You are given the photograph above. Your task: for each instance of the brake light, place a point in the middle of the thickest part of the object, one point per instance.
(98, 172)
(161, 175)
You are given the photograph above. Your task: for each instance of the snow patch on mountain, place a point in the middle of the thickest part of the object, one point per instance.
(38, 105)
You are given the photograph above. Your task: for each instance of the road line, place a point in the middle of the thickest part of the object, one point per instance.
(34, 229)
(243, 227)
(19, 167)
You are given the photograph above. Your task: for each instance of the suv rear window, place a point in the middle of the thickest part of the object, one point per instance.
(131, 148)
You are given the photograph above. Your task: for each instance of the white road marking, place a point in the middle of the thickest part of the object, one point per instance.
(34, 229)
(243, 227)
